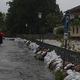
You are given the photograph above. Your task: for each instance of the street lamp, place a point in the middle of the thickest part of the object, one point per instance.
(26, 25)
(39, 16)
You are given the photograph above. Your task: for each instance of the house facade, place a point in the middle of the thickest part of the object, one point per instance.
(75, 31)
(74, 21)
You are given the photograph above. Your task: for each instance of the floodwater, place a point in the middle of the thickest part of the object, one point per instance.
(18, 63)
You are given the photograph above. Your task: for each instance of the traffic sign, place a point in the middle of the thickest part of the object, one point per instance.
(66, 22)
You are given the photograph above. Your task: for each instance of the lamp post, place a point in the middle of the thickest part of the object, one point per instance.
(26, 25)
(39, 16)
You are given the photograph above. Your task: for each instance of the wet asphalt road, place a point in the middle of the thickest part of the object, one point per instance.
(18, 63)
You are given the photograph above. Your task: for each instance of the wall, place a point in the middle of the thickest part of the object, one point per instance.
(75, 34)
(37, 36)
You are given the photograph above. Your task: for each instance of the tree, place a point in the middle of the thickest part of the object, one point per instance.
(2, 21)
(25, 12)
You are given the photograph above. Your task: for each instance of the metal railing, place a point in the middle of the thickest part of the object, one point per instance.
(67, 55)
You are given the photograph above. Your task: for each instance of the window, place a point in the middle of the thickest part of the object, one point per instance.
(77, 30)
(73, 29)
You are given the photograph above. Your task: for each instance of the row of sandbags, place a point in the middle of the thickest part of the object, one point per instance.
(55, 63)
(27, 43)
(52, 60)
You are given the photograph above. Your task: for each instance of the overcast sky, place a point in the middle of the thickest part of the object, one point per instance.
(3, 6)
(63, 4)
(67, 4)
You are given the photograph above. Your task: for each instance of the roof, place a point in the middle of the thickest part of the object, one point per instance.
(75, 9)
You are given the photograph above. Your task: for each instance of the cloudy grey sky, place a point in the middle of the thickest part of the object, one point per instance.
(63, 4)
(3, 6)
(67, 4)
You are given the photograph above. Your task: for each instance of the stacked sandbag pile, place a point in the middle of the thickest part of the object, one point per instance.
(53, 61)
(72, 75)
(27, 43)
(21, 42)
(33, 46)
(41, 53)
(20, 39)
(77, 67)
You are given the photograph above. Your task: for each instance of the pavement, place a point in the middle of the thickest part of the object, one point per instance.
(18, 63)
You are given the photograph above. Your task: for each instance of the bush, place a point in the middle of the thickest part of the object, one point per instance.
(59, 75)
(60, 31)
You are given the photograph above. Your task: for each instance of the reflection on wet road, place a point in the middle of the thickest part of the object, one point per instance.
(18, 63)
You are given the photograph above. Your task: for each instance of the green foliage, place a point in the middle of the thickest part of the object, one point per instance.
(25, 12)
(75, 22)
(60, 31)
(59, 75)
(2, 22)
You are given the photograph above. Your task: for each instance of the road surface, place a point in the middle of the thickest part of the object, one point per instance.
(18, 63)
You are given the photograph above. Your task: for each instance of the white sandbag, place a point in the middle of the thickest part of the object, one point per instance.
(33, 46)
(72, 75)
(68, 65)
(59, 65)
(50, 56)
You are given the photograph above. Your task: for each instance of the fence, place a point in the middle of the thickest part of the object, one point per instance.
(65, 54)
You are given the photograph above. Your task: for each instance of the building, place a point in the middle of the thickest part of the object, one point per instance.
(75, 21)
